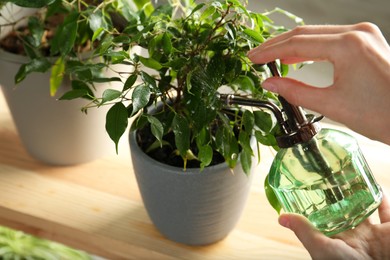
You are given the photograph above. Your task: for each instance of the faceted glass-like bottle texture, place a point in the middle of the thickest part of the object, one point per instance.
(327, 180)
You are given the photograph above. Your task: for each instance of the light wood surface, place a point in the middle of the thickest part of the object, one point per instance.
(97, 207)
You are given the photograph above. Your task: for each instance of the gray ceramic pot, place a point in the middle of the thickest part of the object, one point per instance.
(190, 207)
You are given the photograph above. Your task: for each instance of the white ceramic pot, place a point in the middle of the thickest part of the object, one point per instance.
(54, 132)
(191, 207)
(11, 14)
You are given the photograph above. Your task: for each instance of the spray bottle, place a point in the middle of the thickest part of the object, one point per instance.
(318, 173)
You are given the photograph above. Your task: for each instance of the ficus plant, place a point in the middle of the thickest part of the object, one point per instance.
(179, 55)
(56, 37)
(190, 53)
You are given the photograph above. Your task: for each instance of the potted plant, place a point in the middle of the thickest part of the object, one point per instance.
(192, 155)
(18, 245)
(41, 44)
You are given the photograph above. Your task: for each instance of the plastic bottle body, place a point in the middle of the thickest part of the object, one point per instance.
(327, 180)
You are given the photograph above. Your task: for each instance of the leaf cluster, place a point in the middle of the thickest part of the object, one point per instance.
(58, 36)
(190, 53)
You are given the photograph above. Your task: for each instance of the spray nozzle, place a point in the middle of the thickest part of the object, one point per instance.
(296, 126)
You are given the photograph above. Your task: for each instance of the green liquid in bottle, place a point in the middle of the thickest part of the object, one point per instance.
(335, 192)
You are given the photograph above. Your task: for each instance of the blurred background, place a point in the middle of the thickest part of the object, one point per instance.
(332, 11)
(327, 12)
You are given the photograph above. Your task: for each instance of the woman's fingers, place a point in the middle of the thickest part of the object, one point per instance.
(316, 42)
(312, 239)
(299, 93)
(308, 29)
(297, 47)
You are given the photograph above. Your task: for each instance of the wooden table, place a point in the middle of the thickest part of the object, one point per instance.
(97, 207)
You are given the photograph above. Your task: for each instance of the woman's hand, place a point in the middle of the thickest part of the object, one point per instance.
(366, 241)
(360, 94)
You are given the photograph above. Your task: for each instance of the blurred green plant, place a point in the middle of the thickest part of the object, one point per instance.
(16, 245)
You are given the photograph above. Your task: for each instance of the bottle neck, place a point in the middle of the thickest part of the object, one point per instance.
(302, 135)
(296, 127)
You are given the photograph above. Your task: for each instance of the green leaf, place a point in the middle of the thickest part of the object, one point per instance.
(122, 39)
(104, 80)
(36, 30)
(148, 80)
(116, 122)
(265, 139)
(104, 45)
(77, 66)
(167, 44)
(258, 21)
(246, 161)
(156, 144)
(244, 83)
(264, 121)
(215, 71)
(233, 69)
(271, 196)
(254, 35)
(245, 142)
(227, 145)
(182, 131)
(205, 155)
(97, 33)
(209, 11)
(35, 65)
(84, 75)
(66, 34)
(156, 127)
(203, 137)
(154, 44)
(284, 70)
(150, 63)
(88, 72)
(177, 63)
(140, 98)
(77, 84)
(116, 57)
(198, 7)
(232, 31)
(57, 75)
(129, 82)
(73, 94)
(31, 51)
(188, 81)
(248, 120)
(110, 94)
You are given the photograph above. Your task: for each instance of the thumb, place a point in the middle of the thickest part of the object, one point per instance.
(297, 92)
(384, 208)
(312, 239)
